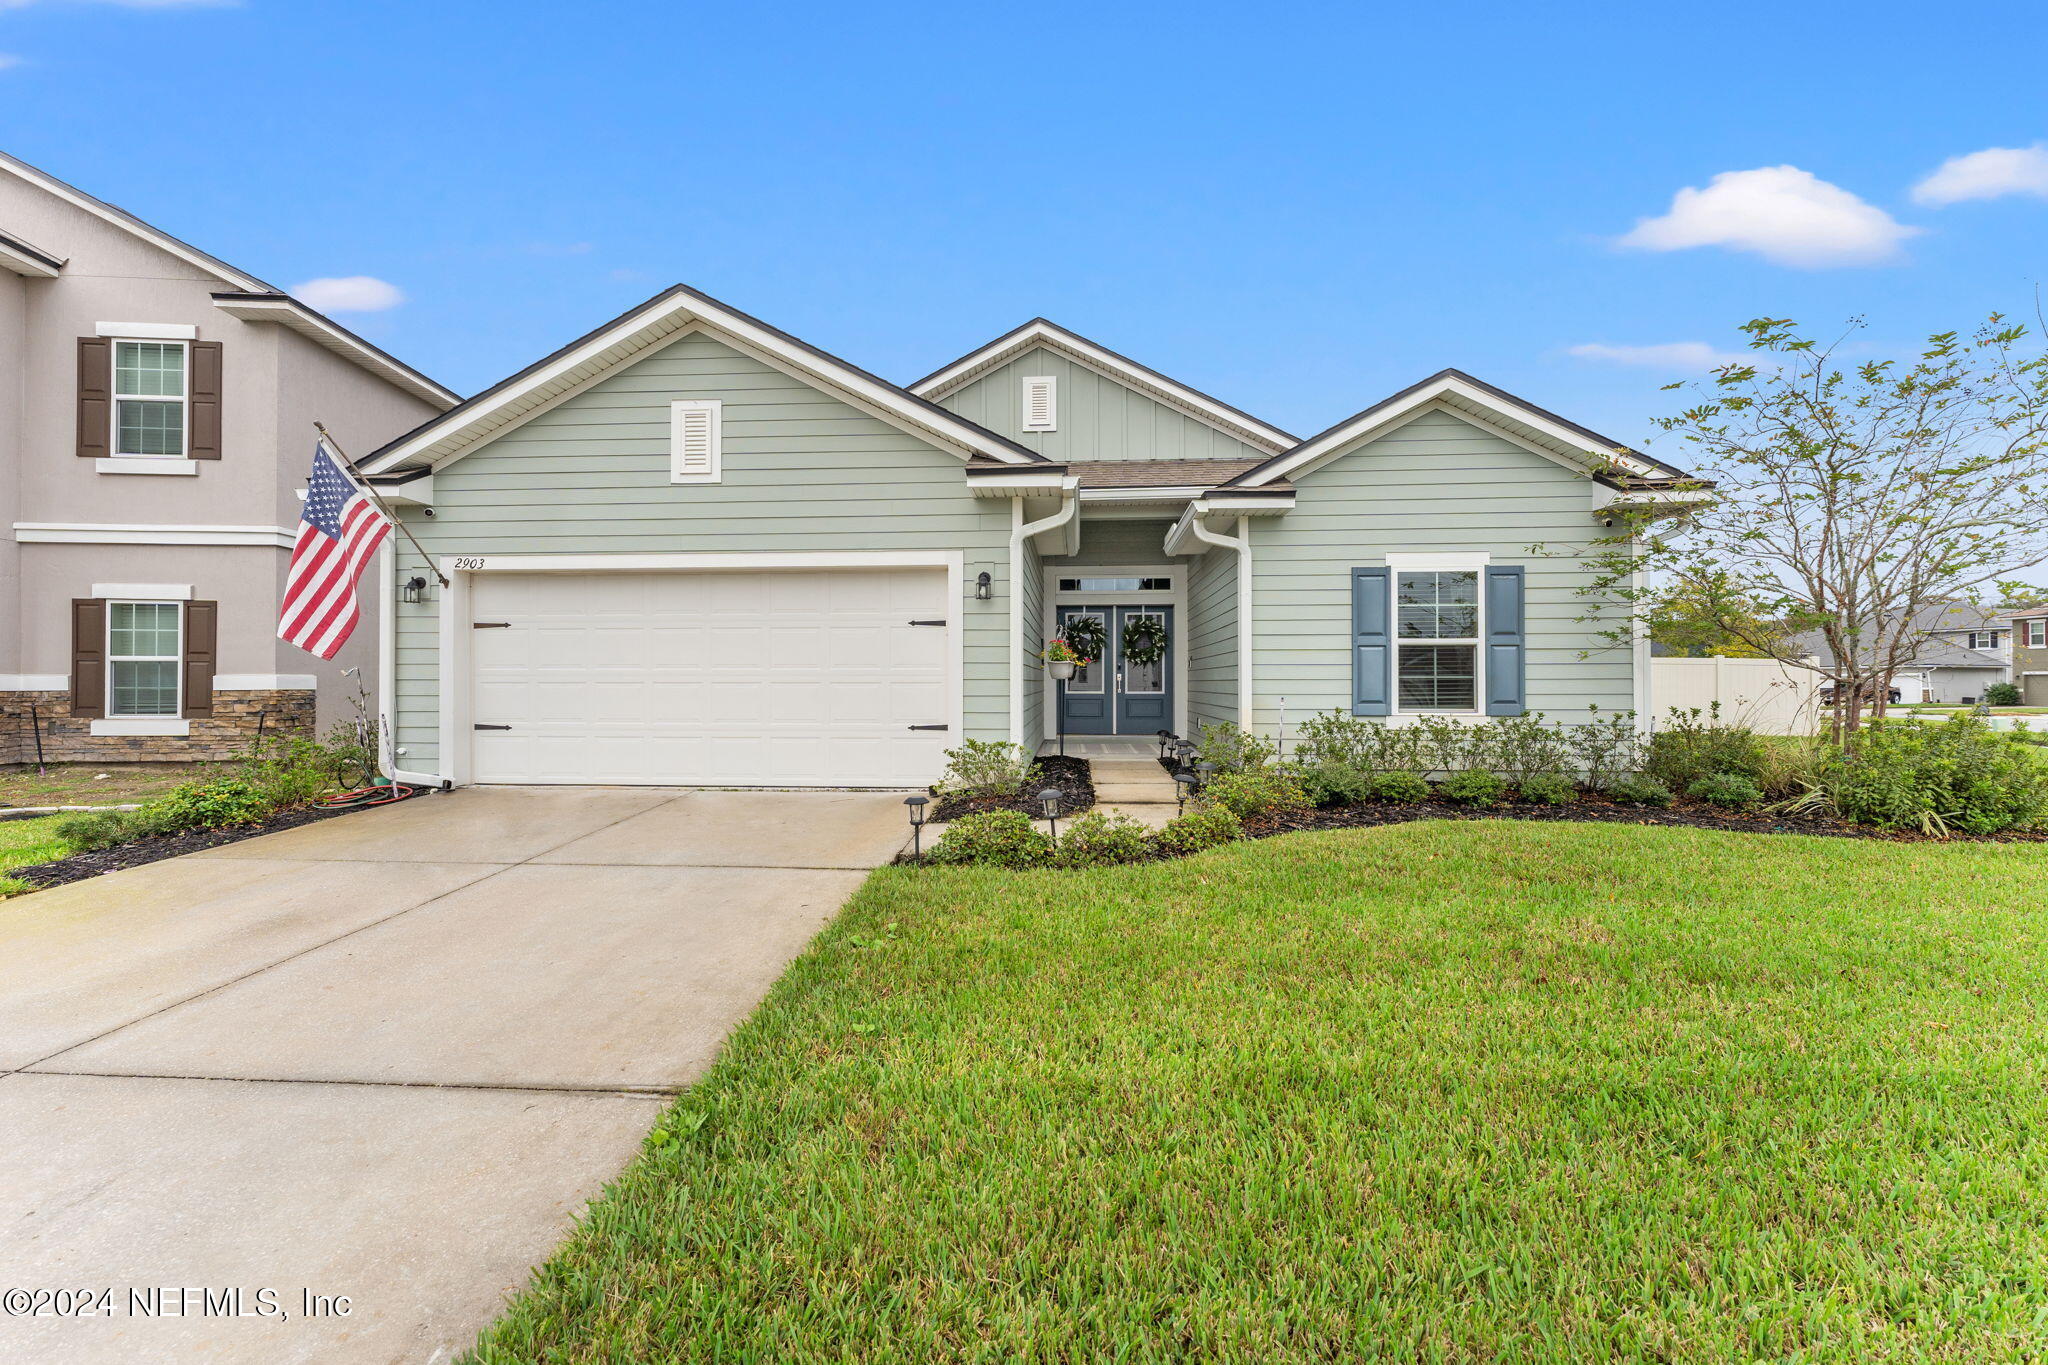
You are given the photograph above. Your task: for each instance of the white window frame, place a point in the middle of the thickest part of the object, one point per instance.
(1400, 564)
(177, 659)
(2037, 634)
(183, 400)
(676, 411)
(1052, 403)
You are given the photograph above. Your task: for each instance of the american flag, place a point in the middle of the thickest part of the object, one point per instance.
(339, 530)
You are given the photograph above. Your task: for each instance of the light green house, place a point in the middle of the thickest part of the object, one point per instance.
(691, 549)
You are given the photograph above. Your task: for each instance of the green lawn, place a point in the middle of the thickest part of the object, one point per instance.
(97, 784)
(23, 842)
(1435, 1092)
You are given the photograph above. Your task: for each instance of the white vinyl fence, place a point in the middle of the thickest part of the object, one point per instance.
(1763, 694)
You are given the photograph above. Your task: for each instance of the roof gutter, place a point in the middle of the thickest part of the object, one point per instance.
(1067, 518)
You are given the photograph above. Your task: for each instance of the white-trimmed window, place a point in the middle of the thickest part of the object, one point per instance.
(1983, 639)
(145, 655)
(2037, 634)
(1436, 640)
(152, 414)
(696, 442)
(1041, 403)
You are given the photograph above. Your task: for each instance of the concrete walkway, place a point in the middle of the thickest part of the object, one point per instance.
(385, 1058)
(1137, 787)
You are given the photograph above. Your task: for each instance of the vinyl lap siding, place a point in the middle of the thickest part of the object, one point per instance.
(803, 471)
(1098, 418)
(1436, 484)
(1212, 639)
(1031, 645)
(1137, 544)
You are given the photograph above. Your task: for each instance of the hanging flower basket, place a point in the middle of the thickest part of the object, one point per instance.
(1144, 640)
(1061, 660)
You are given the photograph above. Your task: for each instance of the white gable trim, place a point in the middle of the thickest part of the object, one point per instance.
(1050, 336)
(128, 222)
(1454, 395)
(662, 319)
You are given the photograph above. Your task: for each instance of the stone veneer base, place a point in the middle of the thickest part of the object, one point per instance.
(226, 734)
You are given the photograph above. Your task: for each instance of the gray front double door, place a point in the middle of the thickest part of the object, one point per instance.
(1114, 696)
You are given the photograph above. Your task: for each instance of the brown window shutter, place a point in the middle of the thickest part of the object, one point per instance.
(205, 400)
(202, 637)
(88, 657)
(95, 396)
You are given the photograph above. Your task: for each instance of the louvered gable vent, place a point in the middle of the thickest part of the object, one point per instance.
(694, 441)
(1041, 403)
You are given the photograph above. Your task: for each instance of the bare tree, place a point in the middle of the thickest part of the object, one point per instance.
(1849, 496)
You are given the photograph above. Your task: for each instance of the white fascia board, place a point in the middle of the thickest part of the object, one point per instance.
(1377, 421)
(414, 492)
(128, 222)
(21, 259)
(288, 312)
(1676, 499)
(1152, 494)
(1025, 481)
(1108, 364)
(663, 317)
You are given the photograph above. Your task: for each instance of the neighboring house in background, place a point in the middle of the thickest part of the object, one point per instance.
(2030, 654)
(1962, 649)
(690, 548)
(153, 446)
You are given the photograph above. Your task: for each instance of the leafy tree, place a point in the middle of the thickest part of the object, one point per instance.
(1847, 495)
(1689, 619)
(2013, 592)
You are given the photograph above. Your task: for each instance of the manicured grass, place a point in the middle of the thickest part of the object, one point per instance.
(97, 784)
(1434, 1092)
(23, 842)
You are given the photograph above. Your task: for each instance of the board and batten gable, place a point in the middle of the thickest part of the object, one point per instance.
(1098, 418)
(802, 470)
(1436, 484)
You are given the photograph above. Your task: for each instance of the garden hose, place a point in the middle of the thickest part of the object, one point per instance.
(383, 794)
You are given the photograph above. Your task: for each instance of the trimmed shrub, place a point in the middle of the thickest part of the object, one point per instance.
(1473, 787)
(206, 805)
(1548, 789)
(1691, 744)
(292, 771)
(1258, 791)
(90, 830)
(1203, 827)
(997, 838)
(1399, 785)
(985, 767)
(1730, 790)
(1098, 840)
(1959, 775)
(2002, 694)
(1336, 784)
(1233, 749)
(1638, 790)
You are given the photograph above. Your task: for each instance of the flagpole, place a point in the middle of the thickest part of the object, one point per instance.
(382, 506)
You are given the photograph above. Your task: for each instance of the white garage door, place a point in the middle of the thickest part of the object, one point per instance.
(763, 678)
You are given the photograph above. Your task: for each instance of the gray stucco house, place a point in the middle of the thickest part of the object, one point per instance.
(690, 548)
(156, 431)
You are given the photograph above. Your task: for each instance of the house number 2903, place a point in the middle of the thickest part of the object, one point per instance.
(463, 562)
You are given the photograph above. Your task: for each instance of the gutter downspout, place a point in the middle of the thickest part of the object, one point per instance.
(1021, 531)
(1242, 543)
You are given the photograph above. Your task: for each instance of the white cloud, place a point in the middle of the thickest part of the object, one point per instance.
(1688, 356)
(8, 60)
(349, 294)
(1784, 214)
(1989, 174)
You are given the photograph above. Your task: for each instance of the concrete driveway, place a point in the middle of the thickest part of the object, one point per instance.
(386, 1058)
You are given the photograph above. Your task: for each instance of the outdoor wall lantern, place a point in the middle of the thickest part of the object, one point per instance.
(984, 586)
(916, 804)
(415, 589)
(1183, 788)
(1049, 803)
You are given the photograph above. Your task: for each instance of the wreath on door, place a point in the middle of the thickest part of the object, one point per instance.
(1144, 640)
(1085, 636)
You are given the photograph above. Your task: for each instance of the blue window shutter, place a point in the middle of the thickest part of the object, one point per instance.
(1372, 653)
(1506, 650)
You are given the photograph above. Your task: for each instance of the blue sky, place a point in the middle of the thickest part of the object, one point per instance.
(1298, 208)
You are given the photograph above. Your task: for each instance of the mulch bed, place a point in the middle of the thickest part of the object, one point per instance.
(1684, 814)
(1070, 775)
(80, 866)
